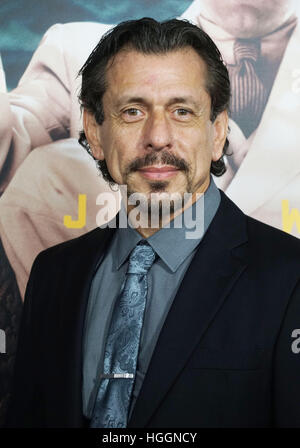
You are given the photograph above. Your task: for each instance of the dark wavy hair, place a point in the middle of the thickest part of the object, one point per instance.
(151, 37)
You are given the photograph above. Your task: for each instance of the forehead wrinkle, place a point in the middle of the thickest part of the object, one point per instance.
(125, 55)
(127, 99)
(139, 97)
(135, 99)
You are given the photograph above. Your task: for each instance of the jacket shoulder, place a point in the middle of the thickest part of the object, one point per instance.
(268, 246)
(76, 246)
(272, 239)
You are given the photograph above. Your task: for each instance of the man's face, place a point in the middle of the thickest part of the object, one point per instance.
(248, 18)
(157, 135)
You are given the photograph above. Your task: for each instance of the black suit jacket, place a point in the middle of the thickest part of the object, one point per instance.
(224, 356)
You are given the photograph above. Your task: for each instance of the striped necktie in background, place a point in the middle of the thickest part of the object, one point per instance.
(249, 96)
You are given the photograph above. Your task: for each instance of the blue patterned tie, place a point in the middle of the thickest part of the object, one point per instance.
(122, 344)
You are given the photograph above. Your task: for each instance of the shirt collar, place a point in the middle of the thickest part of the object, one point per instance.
(273, 44)
(171, 237)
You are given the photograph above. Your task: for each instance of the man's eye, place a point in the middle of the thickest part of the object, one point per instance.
(182, 112)
(132, 112)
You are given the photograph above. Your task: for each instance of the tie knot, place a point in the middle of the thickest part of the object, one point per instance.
(141, 259)
(246, 49)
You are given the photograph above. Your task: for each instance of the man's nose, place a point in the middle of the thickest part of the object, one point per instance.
(157, 132)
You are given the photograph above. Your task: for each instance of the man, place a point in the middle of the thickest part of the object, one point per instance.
(44, 108)
(35, 130)
(272, 28)
(117, 329)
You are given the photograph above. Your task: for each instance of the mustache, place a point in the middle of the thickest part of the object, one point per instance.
(165, 158)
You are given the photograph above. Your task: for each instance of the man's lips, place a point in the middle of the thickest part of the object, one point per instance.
(158, 172)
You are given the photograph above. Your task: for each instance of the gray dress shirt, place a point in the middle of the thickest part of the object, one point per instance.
(175, 252)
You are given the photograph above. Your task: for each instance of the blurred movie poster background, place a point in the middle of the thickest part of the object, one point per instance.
(49, 184)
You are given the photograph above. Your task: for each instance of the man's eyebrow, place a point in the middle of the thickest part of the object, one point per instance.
(183, 100)
(140, 100)
(130, 99)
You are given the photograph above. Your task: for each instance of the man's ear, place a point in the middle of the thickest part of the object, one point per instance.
(220, 133)
(92, 133)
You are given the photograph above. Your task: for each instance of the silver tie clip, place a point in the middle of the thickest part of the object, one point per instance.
(117, 375)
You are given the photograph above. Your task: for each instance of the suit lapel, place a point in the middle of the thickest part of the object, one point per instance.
(212, 273)
(80, 264)
(273, 158)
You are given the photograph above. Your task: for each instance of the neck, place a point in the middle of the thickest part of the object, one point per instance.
(240, 28)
